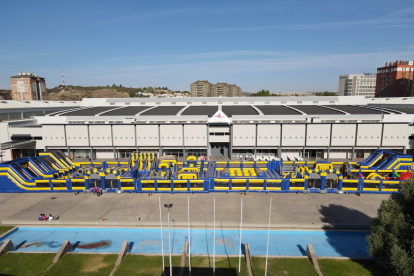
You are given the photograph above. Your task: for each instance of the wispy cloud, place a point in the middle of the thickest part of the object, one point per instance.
(377, 23)
(168, 13)
(396, 19)
(355, 62)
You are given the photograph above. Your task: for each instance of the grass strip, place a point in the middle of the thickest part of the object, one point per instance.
(283, 266)
(350, 268)
(83, 264)
(26, 264)
(4, 229)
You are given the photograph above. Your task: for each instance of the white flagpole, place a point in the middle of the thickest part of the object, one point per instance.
(189, 238)
(214, 239)
(162, 240)
(268, 231)
(241, 224)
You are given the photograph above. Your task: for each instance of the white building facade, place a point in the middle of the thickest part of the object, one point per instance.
(357, 85)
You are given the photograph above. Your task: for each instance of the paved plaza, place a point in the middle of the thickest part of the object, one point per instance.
(305, 211)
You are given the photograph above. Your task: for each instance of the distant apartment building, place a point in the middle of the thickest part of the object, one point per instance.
(220, 89)
(28, 87)
(201, 89)
(235, 91)
(395, 79)
(4, 95)
(357, 85)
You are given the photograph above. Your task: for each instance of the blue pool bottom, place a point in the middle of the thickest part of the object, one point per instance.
(350, 244)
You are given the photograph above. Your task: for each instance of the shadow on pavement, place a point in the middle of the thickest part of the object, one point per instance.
(354, 246)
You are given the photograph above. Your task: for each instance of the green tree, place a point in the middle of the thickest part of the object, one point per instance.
(261, 93)
(391, 242)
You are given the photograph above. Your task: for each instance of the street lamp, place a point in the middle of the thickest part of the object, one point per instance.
(169, 205)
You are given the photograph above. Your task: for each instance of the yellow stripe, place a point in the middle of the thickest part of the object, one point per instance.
(127, 180)
(256, 188)
(23, 187)
(273, 188)
(238, 188)
(180, 189)
(128, 188)
(164, 189)
(148, 189)
(370, 189)
(391, 182)
(9, 171)
(221, 188)
(196, 189)
(350, 181)
(350, 189)
(297, 180)
(77, 188)
(389, 190)
(296, 188)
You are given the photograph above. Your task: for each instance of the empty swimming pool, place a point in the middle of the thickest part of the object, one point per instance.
(148, 241)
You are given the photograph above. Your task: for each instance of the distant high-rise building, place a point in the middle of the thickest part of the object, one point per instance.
(357, 85)
(201, 89)
(235, 91)
(220, 89)
(395, 79)
(28, 87)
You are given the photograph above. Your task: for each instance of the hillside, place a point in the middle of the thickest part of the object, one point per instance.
(78, 93)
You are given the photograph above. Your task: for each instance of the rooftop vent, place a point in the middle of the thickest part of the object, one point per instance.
(3, 102)
(127, 103)
(142, 103)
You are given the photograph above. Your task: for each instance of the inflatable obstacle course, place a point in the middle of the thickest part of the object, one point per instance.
(384, 171)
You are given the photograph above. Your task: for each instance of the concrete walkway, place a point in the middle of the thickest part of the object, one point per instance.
(291, 211)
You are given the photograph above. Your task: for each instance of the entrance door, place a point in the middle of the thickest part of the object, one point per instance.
(219, 149)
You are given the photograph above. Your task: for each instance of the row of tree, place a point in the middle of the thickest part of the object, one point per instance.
(266, 93)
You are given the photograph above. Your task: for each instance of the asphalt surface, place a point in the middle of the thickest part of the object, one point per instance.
(289, 211)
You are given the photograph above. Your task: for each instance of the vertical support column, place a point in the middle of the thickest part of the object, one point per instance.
(353, 153)
(159, 141)
(91, 154)
(304, 144)
(208, 143)
(231, 143)
(114, 153)
(329, 150)
(255, 142)
(405, 150)
(183, 143)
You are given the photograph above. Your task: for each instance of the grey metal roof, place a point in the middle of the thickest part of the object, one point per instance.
(276, 110)
(201, 110)
(89, 111)
(163, 110)
(127, 111)
(316, 110)
(238, 110)
(357, 109)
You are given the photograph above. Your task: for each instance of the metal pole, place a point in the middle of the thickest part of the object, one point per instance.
(268, 231)
(162, 240)
(214, 239)
(241, 224)
(169, 241)
(189, 238)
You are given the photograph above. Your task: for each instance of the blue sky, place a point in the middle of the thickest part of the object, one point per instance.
(283, 46)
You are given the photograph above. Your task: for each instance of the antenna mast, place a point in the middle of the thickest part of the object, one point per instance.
(63, 80)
